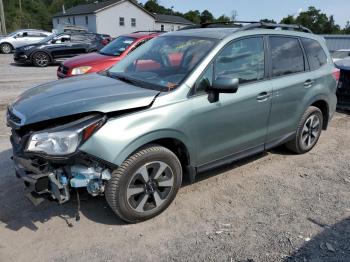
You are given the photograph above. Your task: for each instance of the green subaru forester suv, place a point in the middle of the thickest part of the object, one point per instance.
(182, 103)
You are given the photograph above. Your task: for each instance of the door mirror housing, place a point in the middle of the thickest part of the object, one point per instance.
(225, 85)
(222, 85)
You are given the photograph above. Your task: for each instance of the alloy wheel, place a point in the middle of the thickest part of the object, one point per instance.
(41, 59)
(6, 48)
(311, 131)
(150, 186)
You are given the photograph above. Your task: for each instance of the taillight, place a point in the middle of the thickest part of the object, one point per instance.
(336, 74)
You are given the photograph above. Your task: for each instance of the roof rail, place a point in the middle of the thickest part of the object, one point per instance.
(275, 26)
(251, 25)
(213, 25)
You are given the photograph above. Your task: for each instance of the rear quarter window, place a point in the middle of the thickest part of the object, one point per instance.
(315, 53)
(286, 55)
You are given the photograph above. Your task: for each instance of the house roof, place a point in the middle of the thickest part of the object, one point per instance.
(174, 19)
(99, 5)
(88, 8)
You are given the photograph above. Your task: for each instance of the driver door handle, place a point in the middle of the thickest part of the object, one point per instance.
(308, 83)
(263, 96)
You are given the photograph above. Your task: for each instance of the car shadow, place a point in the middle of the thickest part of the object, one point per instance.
(332, 244)
(223, 169)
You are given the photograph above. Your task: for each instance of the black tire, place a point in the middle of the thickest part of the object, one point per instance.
(307, 131)
(117, 188)
(41, 59)
(6, 48)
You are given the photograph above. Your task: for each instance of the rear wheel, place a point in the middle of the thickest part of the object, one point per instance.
(145, 184)
(6, 48)
(308, 131)
(41, 59)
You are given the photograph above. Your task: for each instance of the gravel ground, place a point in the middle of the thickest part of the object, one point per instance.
(272, 207)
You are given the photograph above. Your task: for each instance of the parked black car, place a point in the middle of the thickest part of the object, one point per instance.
(58, 47)
(343, 90)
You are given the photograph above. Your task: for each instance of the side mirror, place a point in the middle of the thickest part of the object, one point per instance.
(222, 85)
(225, 85)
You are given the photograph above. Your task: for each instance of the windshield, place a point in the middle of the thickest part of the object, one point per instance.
(48, 38)
(118, 46)
(14, 33)
(341, 54)
(163, 62)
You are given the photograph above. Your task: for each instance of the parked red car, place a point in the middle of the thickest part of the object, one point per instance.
(106, 57)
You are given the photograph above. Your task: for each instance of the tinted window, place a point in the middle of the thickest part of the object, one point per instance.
(243, 59)
(315, 54)
(341, 54)
(83, 38)
(287, 56)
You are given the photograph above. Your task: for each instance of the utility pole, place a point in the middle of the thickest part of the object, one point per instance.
(2, 19)
(20, 13)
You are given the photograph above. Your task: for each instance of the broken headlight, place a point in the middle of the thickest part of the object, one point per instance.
(64, 140)
(57, 143)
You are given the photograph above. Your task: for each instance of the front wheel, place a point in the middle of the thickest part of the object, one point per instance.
(308, 131)
(145, 184)
(6, 48)
(41, 59)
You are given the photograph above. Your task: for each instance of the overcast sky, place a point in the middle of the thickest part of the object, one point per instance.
(259, 9)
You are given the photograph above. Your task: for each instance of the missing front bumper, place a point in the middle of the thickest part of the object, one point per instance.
(40, 185)
(56, 181)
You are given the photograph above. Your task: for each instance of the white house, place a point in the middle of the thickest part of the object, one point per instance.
(116, 17)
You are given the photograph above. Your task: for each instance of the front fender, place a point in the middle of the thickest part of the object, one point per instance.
(149, 138)
(122, 136)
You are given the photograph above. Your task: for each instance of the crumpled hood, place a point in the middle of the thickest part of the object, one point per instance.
(88, 93)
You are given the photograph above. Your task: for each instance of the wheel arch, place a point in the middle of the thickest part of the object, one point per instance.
(175, 141)
(324, 107)
(13, 48)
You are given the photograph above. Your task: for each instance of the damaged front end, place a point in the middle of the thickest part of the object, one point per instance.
(47, 158)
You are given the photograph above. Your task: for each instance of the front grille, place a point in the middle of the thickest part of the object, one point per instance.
(63, 69)
(11, 116)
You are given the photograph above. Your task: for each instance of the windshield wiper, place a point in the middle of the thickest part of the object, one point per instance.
(123, 78)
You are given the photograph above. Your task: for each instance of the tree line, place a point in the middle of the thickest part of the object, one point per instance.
(38, 14)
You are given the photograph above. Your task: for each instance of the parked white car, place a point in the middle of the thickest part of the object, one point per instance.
(340, 54)
(20, 38)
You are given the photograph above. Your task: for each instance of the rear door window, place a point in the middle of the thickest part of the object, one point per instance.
(315, 53)
(286, 55)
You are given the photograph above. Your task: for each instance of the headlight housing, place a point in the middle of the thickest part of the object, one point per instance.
(64, 140)
(56, 143)
(81, 70)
